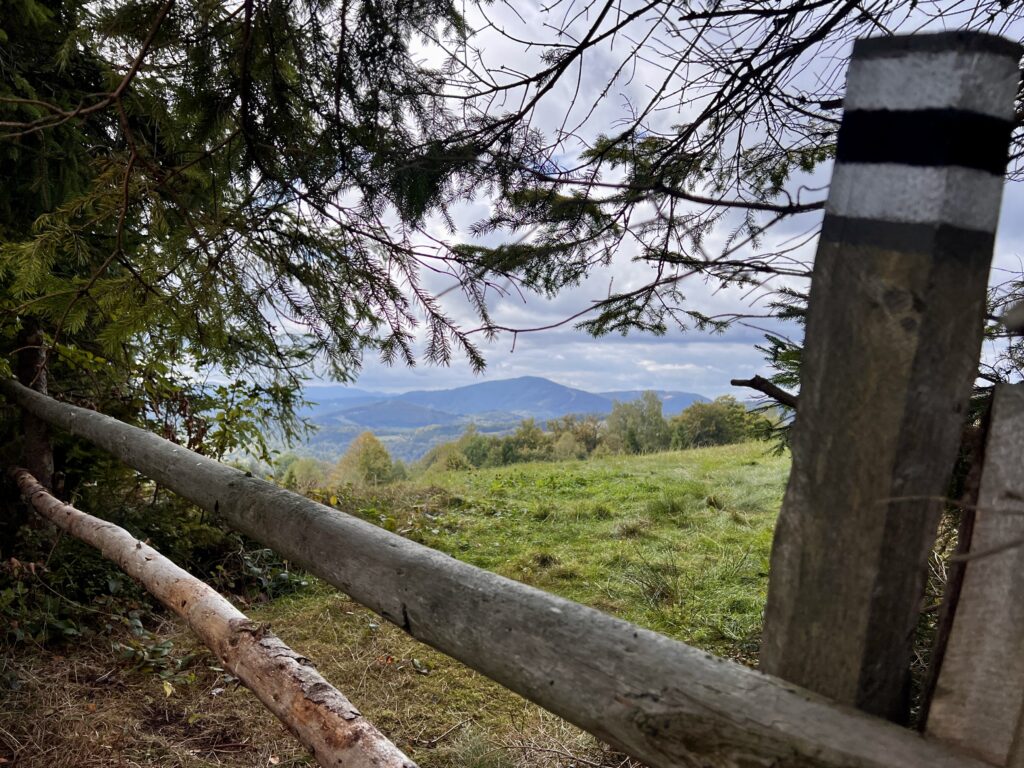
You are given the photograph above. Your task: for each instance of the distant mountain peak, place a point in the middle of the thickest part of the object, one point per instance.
(499, 401)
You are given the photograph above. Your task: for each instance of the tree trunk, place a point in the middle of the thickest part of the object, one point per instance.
(317, 713)
(13, 516)
(32, 372)
(663, 702)
(36, 448)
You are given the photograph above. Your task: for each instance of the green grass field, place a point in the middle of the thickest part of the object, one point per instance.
(677, 542)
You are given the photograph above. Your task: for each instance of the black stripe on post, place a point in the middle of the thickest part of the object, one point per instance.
(940, 42)
(903, 236)
(925, 137)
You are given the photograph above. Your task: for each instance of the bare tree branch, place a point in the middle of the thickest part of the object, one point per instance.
(765, 387)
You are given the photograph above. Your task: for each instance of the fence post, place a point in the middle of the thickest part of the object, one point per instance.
(893, 337)
(979, 700)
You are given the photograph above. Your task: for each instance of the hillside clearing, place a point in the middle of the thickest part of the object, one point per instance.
(677, 542)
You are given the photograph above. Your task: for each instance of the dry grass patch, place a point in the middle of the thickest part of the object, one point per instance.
(82, 709)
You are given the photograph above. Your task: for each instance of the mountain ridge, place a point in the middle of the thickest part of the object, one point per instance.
(524, 396)
(411, 422)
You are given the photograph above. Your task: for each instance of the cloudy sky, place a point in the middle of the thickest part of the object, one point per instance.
(692, 361)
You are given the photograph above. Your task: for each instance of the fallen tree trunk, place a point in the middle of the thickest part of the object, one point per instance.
(315, 711)
(659, 700)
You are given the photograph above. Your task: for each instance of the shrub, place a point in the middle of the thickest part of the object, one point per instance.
(305, 474)
(586, 430)
(445, 456)
(721, 422)
(474, 446)
(366, 462)
(568, 447)
(638, 427)
(529, 443)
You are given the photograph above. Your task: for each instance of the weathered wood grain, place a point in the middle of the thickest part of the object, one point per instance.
(287, 683)
(659, 700)
(979, 699)
(894, 332)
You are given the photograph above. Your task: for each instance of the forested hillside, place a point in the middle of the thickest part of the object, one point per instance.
(411, 423)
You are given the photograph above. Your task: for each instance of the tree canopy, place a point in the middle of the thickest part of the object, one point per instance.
(202, 213)
(366, 462)
(638, 426)
(721, 422)
(261, 188)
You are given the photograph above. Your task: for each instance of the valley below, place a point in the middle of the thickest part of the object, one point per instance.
(411, 423)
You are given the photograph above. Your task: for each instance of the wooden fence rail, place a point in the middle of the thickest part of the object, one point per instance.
(657, 699)
(314, 710)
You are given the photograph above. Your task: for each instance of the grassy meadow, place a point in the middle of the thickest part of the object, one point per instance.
(677, 542)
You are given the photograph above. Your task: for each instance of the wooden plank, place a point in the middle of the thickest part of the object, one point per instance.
(319, 715)
(661, 701)
(979, 699)
(894, 332)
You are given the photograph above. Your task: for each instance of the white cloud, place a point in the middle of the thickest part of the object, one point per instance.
(693, 361)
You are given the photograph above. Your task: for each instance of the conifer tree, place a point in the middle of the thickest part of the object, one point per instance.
(249, 188)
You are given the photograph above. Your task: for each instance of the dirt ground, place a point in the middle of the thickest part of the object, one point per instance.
(85, 706)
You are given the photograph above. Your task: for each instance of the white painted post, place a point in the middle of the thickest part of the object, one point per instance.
(894, 332)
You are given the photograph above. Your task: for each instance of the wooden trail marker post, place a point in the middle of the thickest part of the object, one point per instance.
(894, 332)
(979, 700)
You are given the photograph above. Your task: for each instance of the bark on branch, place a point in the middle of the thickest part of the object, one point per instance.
(287, 683)
(765, 387)
(657, 699)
